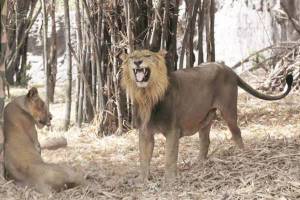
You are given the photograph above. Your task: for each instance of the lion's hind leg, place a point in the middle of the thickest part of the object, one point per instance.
(204, 131)
(227, 105)
(230, 116)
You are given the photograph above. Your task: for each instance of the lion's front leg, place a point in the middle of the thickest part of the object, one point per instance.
(171, 155)
(146, 144)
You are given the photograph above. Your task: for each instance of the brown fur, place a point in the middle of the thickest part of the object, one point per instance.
(183, 103)
(22, 160)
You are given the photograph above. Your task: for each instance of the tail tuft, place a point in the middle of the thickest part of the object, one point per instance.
(289, 80)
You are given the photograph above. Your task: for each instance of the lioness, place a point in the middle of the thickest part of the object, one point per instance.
(181, 103)
(22, 159)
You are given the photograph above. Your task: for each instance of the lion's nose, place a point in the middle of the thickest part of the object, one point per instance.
(50, 116)
(138, 63)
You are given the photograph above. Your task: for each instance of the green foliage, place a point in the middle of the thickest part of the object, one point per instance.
(259, 58)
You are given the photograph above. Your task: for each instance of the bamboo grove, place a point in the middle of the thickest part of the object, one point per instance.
(106, 29)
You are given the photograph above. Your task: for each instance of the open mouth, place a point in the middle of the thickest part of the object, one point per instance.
(141, 74)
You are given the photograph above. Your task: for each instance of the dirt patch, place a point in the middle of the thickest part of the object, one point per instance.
(268, 169)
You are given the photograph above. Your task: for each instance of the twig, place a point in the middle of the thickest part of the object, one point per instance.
(251, 55)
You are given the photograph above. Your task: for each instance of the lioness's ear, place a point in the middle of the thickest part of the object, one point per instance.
(162, 52)
(123, 56)
(33, 92)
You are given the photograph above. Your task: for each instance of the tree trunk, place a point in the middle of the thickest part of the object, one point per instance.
(21, 74)
(100, 79)
(45, 53)
(200, 33)
(165, 25)
(80, 104)
(53, 55)
(189, 30)
(79, 82)
(88, 99)
(140, 15)
(94, 75)
(210, 23)
(128, 18)
(190, 57)
(115, 64)
(172, 57)
(155, 38)
(3, 51)
(69, 66)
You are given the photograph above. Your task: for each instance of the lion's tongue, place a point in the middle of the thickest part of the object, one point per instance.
(140, 76)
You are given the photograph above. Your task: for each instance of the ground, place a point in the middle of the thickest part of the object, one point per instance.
(269, 168)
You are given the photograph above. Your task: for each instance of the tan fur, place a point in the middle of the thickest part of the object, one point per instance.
(182, 103)
(145, 99)
(22, 160)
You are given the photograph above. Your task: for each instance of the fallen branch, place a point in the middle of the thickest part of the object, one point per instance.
(54, 143)
(283, 45)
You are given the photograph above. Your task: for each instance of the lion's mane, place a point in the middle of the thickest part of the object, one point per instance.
(146, 98)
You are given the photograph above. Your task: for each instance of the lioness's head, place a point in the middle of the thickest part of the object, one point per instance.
(144, 68)
(38, 109)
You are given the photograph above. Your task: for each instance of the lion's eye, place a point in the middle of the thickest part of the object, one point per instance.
(147, 56)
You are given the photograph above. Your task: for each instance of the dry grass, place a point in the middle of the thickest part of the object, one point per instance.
(268, 169)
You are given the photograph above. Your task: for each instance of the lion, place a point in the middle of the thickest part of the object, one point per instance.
(22, 153)
(181, 103)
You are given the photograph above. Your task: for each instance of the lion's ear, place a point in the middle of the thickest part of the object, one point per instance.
(32, 93)
(123, 56)
(163, 52)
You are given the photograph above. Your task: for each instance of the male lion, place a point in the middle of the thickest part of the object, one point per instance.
(181, 103)
(22, 159)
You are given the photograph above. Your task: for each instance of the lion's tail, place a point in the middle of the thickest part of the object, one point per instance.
(46, 177)
(249, 89)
